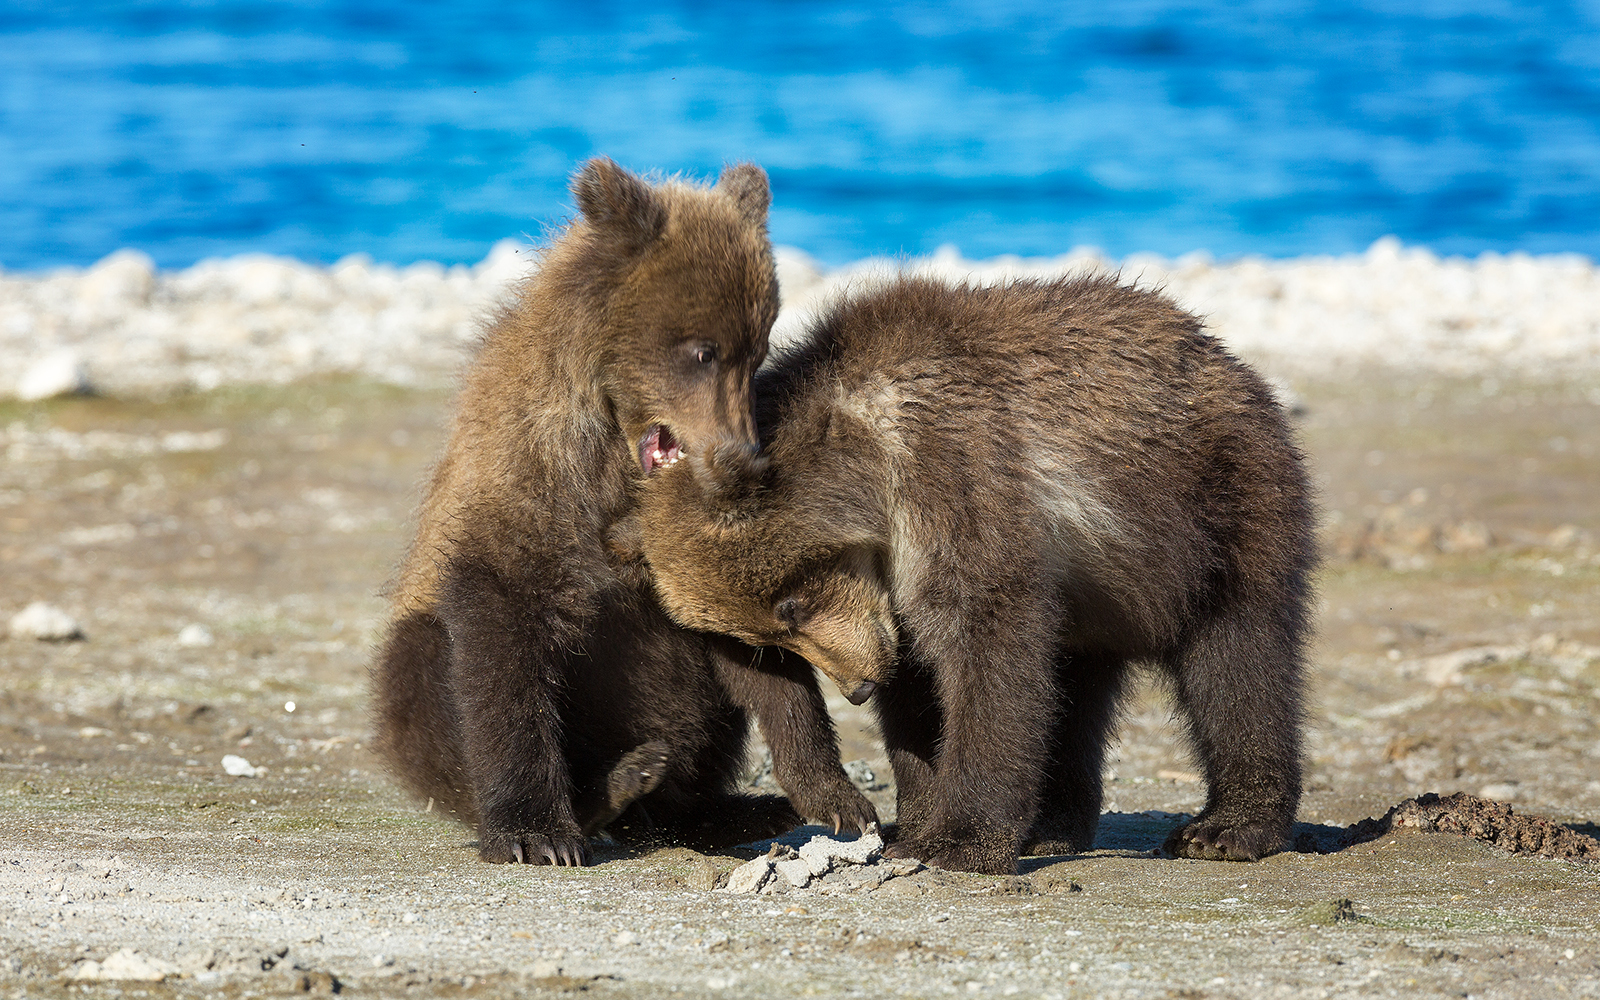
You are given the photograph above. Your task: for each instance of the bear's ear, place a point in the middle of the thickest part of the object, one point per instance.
(746, 184)
(618, 203)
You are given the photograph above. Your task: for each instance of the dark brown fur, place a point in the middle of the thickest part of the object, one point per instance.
(991, 502)
(528, 681)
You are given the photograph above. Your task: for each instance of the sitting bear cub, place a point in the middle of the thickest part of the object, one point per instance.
(981, 507)
(528, 681)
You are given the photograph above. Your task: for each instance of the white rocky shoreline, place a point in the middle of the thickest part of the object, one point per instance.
(123, 328)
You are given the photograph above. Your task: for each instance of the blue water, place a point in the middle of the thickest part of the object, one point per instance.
(412, 130)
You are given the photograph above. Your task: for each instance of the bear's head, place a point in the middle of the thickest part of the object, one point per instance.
(681, 282)
(750, 562)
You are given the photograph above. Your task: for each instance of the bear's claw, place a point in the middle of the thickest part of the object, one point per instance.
(526, 848)
(1209, 839)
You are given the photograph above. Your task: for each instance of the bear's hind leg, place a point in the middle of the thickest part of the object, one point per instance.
(1239, 682)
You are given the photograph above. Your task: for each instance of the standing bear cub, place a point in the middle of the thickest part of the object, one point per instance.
(981, 507)
(528, 681)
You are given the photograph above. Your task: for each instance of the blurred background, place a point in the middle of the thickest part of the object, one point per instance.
(427, 131)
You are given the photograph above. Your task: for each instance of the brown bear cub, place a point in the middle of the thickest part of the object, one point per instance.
(982, 507)
(528, 681)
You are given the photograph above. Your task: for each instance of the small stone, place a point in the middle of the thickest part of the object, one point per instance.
(1499, 791)
(121, 279)
(197, 961)
(815, 856)
(195, 636)
(860, 773)
(822, 854)
(869, 877)
(750, 876)
(125, 964)
(716, 940)
(60, 373)
(545, 968)
(240, 768)
(311, 981)
(625, 938)
(1329, 913)
(795, 872)
(702, 874)
(45, 622)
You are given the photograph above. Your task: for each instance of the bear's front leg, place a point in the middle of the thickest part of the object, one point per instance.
(505, 668)
(907, 707)
(780, 690)
(989, 648)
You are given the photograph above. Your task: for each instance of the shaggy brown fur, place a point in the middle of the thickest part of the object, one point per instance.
(528, 681)
(988, 503)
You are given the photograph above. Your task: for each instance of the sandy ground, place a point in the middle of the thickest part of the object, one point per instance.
(222, 552)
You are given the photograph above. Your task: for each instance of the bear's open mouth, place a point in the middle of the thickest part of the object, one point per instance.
(659, 449)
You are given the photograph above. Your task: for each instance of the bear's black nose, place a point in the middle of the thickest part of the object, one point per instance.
(862, 693)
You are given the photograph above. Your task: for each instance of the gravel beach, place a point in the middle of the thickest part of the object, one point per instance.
(191, 553)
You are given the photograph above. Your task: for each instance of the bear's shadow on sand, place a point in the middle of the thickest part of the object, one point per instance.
(1142, 834)
(1133, 835)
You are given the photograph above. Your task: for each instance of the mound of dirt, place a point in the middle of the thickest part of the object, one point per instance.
(1481, 819)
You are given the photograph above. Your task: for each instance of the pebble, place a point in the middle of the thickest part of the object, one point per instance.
(749, 877)
(45, 621)
(59, 373)
(122, 328)
(124, 964)
(238, 767)
(195, 636)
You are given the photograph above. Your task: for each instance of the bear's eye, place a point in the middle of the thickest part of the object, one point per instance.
(705, 353)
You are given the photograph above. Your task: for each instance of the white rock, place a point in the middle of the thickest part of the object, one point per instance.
(795, 871)
(798, 273)
(45, 621)
(1447, 669)
(194, 636)
(240, 768)
(59, 373)
(125, 964)
(508, 261)
(750, 876)
(816, 856)
(120, 279)
(863, 850)
(1499, 791)
(868, 877)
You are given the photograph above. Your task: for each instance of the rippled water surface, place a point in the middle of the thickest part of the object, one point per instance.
(413, 130)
